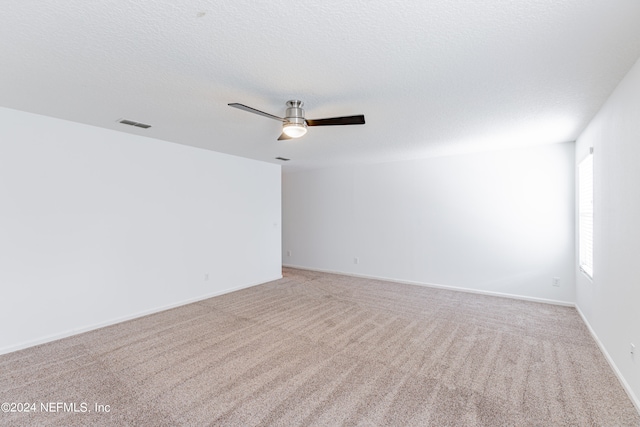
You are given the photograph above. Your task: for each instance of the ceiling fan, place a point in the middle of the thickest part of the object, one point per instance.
(294, 125)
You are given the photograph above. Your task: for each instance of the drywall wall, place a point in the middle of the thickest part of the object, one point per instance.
(611, 302)
(98, 226)
(497, 222)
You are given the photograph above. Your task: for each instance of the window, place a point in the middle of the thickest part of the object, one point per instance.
(585, 215)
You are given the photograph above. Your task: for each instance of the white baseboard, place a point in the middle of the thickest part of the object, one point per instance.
(80, 330)
(433, 285)
(625, 385)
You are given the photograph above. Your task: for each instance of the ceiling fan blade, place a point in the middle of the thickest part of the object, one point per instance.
(337, 121)
(254, 111)
(284, 136)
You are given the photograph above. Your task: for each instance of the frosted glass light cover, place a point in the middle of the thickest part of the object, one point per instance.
(294, 130)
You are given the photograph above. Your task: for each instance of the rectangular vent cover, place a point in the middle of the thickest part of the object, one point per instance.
(136, 124)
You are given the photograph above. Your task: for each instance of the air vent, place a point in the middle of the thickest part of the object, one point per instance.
(283, 159)
(136, 124)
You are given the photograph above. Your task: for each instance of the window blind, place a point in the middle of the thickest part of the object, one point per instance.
(585, 215)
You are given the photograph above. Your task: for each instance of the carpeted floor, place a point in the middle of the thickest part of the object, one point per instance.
(321, 349)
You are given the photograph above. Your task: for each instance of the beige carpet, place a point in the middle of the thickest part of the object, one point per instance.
(321, 349)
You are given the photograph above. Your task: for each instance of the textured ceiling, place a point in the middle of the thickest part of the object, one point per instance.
(435, 77)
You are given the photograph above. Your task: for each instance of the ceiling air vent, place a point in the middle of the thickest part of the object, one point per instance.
(282, 158)
(136, 124)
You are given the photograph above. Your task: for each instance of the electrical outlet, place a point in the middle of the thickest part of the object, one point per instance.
(555, 281)
(288, 253)
(206, 276)
(633, 349)
(356, 260)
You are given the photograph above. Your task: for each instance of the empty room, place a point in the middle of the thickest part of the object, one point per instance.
(297, 213)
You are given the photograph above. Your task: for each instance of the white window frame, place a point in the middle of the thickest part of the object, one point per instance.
(585, 215)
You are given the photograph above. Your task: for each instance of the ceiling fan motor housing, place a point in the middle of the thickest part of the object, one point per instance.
(295, 113)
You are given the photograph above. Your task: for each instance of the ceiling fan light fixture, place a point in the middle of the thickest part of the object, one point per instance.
(294, 125)
(294, 130)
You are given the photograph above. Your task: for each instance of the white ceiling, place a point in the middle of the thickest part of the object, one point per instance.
(434, 77)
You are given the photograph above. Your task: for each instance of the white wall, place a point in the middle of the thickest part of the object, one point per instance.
(611, 302)
(98, 226)
(500, 222)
